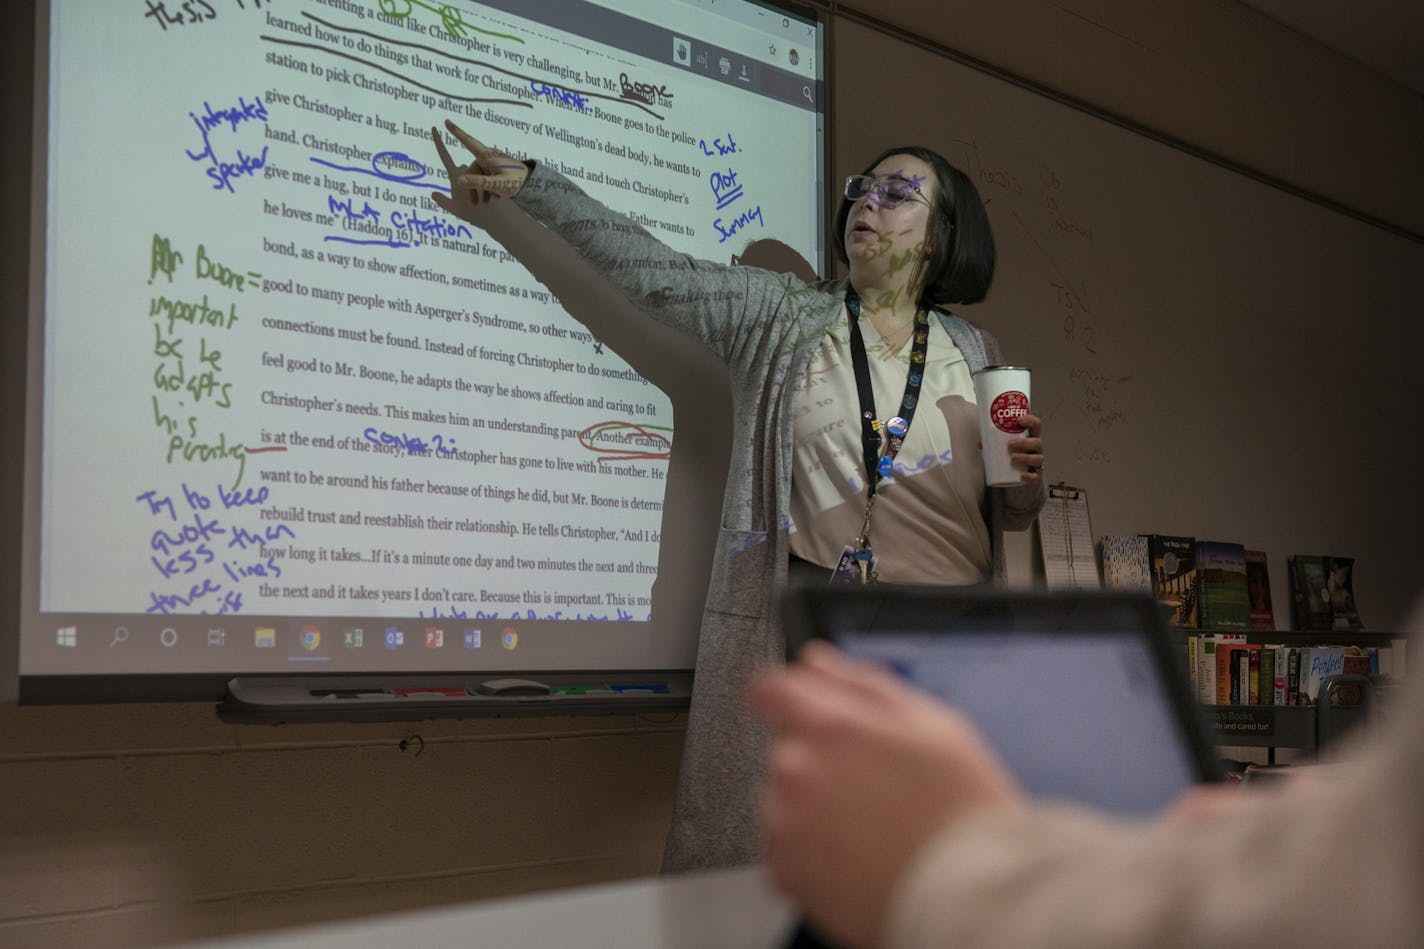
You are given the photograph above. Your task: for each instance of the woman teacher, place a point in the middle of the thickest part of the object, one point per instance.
(855, 433)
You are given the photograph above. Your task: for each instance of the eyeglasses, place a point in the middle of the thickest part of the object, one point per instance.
(888, 192)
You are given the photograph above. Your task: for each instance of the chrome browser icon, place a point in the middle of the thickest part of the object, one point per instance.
(309, 638)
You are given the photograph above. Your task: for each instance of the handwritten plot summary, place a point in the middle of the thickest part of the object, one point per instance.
(280, 381)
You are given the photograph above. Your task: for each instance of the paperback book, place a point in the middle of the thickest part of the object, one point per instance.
(1316, 663)
(1174, 577)
(1258, 590)
(1356, 662)
(1280, 663)
(1223, 602)
(1339, 585)
(1204, 672)
(1233, 668)
(1310, 595)
(1125, 562)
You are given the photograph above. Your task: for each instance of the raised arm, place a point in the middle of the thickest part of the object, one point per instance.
(724, 306)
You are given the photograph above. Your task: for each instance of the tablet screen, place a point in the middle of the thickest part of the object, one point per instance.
(1081, 716)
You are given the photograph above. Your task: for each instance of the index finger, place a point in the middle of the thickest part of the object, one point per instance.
(451, 169)
(478, 148)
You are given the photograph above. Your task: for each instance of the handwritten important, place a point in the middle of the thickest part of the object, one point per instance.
(189, 385)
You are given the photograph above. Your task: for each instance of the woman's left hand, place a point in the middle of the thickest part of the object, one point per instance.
(1028, 452)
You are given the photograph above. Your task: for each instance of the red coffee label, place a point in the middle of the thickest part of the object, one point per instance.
(1005, 410)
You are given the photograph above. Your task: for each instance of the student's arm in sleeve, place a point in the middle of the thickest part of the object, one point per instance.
(889, 821)
(1336, 862)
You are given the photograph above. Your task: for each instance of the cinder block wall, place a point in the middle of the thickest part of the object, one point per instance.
(141, 824)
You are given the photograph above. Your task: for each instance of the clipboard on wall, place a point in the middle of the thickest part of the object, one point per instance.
(1065, 536)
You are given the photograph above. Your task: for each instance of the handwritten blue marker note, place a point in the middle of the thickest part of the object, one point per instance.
(210, 549)
(223, 170)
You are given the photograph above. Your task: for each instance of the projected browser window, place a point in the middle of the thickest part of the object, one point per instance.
(295, 415)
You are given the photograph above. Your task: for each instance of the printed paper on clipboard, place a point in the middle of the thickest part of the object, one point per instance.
(1066, 540)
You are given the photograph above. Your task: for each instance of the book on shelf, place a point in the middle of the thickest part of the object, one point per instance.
(1355, 662)
(1224, 666)
(1202, 662)
(1383, 662)
(1227, 670)
(1306, 655)
(1339, 586)
(1316, 663)
(1241, 683)
(1280, 674)
(1173, 561)
(1204, 675)
(1310, 597)
(1265, 693)
(1234, 655)
(1190, 654)
(1258, 590)
(1124, 562)
(1222, 599)
(1233, 670)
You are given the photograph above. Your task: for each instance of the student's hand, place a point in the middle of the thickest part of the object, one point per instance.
(1202, 804)
(1028, 452)
(863, 771)
(491, 175)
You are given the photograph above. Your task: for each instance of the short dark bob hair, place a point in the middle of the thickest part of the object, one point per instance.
(960, 265)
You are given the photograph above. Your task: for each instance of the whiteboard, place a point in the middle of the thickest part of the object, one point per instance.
(1212, 356)
(270, 373)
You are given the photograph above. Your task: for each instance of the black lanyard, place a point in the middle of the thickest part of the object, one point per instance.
(880, 451)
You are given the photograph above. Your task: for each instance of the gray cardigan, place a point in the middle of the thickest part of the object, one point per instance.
(764, 327)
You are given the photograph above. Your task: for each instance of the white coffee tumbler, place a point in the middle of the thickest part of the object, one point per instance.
(1002, 394)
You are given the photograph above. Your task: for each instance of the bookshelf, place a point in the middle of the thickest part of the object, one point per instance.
(1304, 727)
